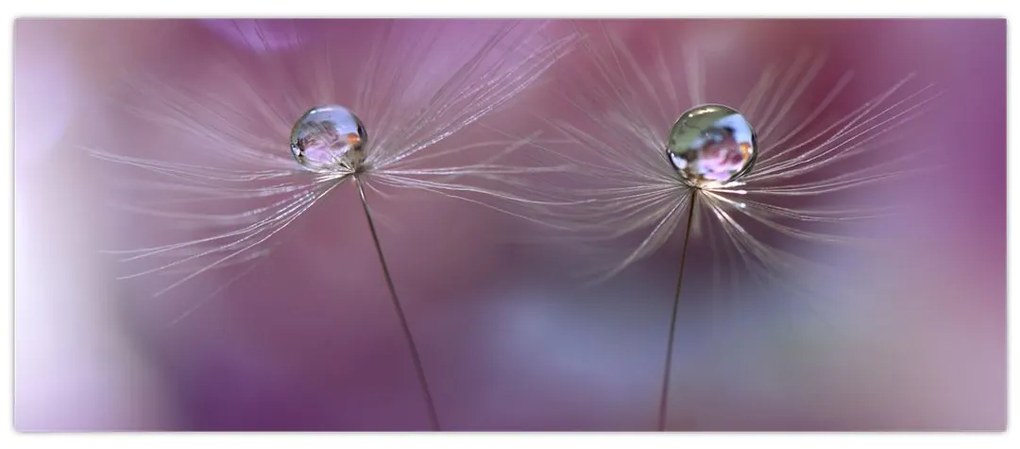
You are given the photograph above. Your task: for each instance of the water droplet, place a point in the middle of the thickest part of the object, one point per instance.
(329, 138)
(711, 145)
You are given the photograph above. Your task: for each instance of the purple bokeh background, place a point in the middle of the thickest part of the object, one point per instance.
(908, 335)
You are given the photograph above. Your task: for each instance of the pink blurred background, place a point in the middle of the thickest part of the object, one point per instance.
(909, 335)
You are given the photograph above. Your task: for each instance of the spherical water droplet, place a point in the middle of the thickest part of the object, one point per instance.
(711, 145)
(328, 138)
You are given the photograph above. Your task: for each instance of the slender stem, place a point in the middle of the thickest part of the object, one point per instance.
(664, 397)
(415, 357)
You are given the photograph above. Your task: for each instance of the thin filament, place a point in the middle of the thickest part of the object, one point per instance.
(415, 356)
(664, 401)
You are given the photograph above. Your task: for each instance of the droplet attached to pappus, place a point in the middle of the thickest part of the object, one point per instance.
(329, 138)
(711, 145)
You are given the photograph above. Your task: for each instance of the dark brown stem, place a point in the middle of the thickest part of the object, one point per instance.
(664, 397)
(415, 357)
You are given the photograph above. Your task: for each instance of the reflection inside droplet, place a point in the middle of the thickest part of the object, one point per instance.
(711, 145)
(328, 138)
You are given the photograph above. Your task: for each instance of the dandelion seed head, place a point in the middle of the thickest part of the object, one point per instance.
(814, 153)
(216, 174)
(329, 138)
(711, 145)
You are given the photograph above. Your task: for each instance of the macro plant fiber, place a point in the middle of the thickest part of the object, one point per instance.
(905, 331)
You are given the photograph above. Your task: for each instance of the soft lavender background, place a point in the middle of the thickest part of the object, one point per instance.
(910, 335)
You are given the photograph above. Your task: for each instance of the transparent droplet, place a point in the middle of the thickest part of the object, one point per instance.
(328, 138)
(711, 145)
